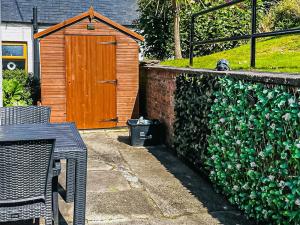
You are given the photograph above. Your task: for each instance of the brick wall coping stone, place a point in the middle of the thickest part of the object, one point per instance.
(263, 77)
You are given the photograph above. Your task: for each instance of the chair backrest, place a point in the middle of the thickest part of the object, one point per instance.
(25, 168)
(24, 115)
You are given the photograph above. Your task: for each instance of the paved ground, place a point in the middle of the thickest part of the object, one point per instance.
(144, 186)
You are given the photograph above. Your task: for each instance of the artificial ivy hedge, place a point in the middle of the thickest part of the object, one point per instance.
(248, 139)
(193, 99)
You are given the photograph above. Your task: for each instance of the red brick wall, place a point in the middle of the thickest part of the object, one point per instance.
(157, 91)
(158, 84)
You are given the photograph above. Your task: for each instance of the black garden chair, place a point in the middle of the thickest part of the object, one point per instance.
(33, 115)
(26, 172)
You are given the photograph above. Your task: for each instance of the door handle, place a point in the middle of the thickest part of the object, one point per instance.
(107, 82)
(110, 120)
(107, 43)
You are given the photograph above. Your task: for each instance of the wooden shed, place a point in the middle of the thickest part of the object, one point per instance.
(89, 71)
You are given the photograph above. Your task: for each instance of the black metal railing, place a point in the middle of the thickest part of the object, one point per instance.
(253, 36)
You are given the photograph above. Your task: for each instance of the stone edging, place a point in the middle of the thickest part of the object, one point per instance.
(263, 77)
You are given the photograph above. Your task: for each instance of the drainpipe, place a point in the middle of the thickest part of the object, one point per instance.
(36, 57)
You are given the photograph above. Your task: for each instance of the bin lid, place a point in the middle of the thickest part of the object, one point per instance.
(135, 122)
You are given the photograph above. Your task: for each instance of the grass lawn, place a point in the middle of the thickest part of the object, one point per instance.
(273, 54)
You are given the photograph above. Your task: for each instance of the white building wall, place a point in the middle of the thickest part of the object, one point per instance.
(22, 33)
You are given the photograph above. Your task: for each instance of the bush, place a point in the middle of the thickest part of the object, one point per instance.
(17, 88)
(283, 15)
(269, 3)
(246, 135)
(156, 24)
(232, 21)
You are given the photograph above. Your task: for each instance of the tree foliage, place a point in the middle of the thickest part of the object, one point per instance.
(232, 21)
(156, 24)
(283, 15)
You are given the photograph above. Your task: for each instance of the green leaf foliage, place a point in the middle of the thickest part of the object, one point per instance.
(228, 22)
(283, 15)
(156, 25)
(17, 88)
(247, 137)
(193, 99)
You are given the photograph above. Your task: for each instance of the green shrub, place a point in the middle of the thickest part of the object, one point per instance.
(232, 21)
(156, 25)
(269, 3)
(284, 15)
(247, 136)
(17, 88)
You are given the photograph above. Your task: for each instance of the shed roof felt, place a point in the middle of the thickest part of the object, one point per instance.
(54, 11)
(91, 14)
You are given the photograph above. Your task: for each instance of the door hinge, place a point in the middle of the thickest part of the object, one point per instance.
(110, 120)
(115, 82)
(107, 43)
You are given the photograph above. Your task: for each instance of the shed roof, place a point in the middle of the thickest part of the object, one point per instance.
(54, 11)
(91, 14)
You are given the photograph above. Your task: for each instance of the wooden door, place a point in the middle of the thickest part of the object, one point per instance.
(91, 81)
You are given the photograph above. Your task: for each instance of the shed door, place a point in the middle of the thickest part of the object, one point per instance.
(91, 81)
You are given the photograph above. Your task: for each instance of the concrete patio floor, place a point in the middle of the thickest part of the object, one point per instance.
(144, 186)
(128, 185)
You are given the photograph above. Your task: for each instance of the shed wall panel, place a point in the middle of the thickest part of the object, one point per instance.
(53, 74)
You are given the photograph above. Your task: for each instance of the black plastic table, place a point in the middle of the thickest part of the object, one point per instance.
(70, 146)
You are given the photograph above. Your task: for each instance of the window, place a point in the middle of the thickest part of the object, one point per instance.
(14, 56)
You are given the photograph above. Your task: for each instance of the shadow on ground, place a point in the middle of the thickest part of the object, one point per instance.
(149, 186)
(216, 204)
(124, 139)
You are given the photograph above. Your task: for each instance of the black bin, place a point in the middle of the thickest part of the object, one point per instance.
(149, 132)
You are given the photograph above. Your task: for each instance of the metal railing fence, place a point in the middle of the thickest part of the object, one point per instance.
(253, 36)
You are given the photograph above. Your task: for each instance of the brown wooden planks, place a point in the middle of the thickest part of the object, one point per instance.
(53, 68)
(90, 65)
